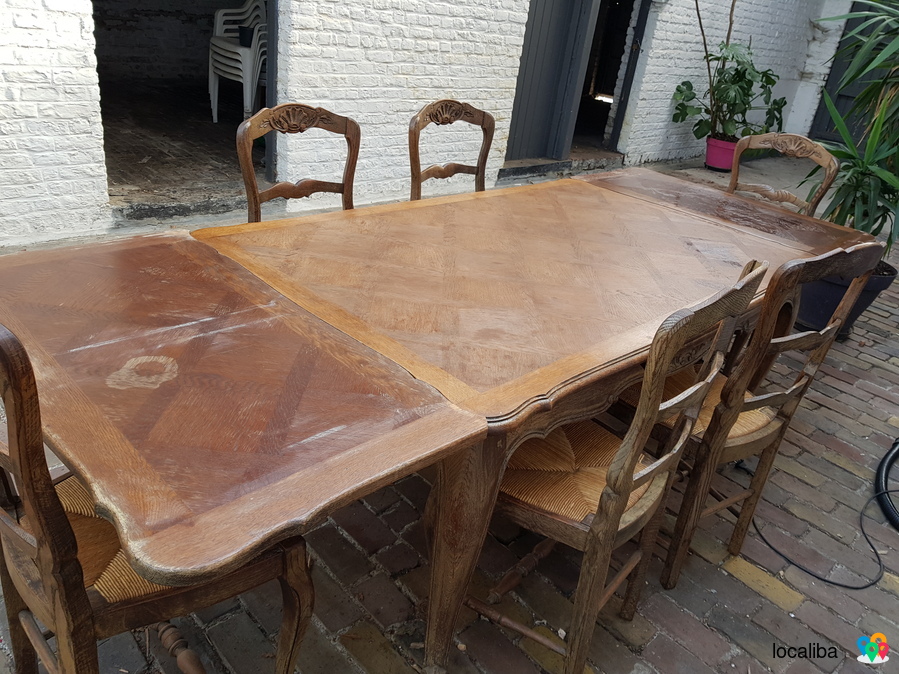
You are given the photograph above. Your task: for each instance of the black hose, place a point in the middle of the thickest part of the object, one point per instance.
(880, 485)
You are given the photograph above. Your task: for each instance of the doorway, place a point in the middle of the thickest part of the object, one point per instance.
(573, 51)
(603, 68)
(164, 155)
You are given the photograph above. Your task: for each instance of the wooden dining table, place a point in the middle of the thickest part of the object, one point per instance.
(223, 391)
(531, 307)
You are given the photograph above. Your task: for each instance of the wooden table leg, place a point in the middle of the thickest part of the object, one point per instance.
(459, 513)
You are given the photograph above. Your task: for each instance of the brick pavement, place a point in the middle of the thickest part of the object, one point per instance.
(724, 616)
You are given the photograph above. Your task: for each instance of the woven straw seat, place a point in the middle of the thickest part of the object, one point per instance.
(584, 487)
(564, 474)
(103, 562)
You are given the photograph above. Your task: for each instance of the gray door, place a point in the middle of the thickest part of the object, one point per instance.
(554, 59)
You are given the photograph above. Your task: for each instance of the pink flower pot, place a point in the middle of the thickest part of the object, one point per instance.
(719, 154)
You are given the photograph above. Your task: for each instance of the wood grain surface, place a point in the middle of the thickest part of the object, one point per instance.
(747, 214)
(208, 415)
(498, 298)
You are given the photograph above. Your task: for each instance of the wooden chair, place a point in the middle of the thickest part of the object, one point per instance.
(585, 487)
(294, 118)
(65, 568)
(736, 423)
(442, 113)
(791, 145)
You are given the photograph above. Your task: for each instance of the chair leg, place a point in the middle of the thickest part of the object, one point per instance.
(249, 93)
(590, 589)
(638, 576)
(695, 497)
(176, 645)
(214, 93)
(756, 485)
(299, 598)
(23, 652)
(77, 651)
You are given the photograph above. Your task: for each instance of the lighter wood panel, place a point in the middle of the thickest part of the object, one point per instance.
(491, 297)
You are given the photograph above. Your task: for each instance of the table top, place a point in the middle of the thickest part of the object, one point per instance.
(500, 298)
(208, 415)
(811, 235)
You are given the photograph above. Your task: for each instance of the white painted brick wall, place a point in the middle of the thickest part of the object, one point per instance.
(379, 62)
(783, 35)
(52, 168)
(823, 44)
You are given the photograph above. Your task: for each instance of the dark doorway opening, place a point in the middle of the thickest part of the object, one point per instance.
(164, 155)
(573, 49)
(603, 68)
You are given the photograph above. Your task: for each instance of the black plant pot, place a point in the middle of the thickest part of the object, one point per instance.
(820, 299)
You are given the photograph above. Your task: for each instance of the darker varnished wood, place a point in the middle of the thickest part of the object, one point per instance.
(42, 571)
(789, 145)
(148, 351)
(617, 518)
(294, 118)
(442, 113)
(730, 436)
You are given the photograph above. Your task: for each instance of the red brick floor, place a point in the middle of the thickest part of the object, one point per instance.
(726, 615)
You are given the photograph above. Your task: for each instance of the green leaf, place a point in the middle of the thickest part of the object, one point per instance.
(889, 178)
(838, 121)
(888, 51)
(702, 128)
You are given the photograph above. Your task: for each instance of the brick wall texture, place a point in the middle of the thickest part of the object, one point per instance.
(52, 170)
(379, 62)
(786, 36)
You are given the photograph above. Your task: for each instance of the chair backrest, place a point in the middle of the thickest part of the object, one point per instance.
(42, 557)
(807, 349)
(681, 340)
(294, 118)
(229, 59)
(442, 113)
(791, 145)
(227, 22)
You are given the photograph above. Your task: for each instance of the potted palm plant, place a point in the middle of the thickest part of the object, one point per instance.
(866, 194)
(866, 198)
(737, 90)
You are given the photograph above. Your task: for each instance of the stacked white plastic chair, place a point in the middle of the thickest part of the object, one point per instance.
(228, 59)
